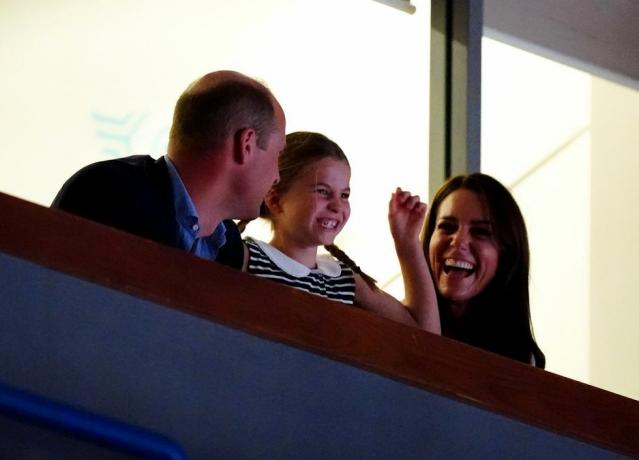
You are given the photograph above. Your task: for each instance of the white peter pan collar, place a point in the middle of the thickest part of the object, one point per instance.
(325, 263)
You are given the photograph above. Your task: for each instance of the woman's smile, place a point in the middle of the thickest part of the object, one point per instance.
(458, 266)
(463, 251)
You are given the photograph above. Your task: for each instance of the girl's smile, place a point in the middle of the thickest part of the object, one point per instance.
(313, 210)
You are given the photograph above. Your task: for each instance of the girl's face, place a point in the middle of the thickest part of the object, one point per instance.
(463, 251)
(315, 208)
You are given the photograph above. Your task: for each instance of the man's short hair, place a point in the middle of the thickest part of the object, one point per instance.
(204, 118)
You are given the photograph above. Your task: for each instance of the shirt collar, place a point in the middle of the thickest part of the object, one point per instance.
(325, 263)
(188, 219)
(185, 211)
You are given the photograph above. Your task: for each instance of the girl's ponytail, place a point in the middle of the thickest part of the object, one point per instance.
(342, 257)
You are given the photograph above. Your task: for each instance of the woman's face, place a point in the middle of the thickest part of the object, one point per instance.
(463, 251)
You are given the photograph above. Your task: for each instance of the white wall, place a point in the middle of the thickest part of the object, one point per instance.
(585, 311)
(536, 140)
(615, 245)
(566, 144)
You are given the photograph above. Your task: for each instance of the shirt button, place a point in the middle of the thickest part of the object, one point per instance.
(195, 227)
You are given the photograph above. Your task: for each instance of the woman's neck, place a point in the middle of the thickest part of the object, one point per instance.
(457, 309)
(305, 255)
(453, 320)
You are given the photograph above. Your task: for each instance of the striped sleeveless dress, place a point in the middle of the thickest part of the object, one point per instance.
(331, 279)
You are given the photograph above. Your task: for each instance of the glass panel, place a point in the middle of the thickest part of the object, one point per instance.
(565, 143)
(93, 80)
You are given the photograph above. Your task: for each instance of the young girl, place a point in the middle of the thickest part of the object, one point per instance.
(308, 207)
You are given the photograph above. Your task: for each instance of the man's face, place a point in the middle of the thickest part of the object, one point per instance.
(264, 168)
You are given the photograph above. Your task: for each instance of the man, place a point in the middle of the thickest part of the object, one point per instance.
(227, 132)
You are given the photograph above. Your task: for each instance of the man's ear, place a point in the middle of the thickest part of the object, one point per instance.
(272, 202)
(244, 145)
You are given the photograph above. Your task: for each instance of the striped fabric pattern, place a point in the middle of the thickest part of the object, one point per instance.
(340, 288)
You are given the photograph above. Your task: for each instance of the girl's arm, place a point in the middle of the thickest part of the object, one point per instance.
(381, 303)
(406, 215)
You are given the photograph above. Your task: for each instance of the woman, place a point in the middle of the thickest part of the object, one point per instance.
(476, 244)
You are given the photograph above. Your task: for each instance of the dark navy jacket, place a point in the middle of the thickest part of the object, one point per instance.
(134, 194)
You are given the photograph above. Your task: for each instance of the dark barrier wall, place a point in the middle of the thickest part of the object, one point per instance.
(229, 366)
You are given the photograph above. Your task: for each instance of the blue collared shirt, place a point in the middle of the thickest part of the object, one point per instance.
(206, 247)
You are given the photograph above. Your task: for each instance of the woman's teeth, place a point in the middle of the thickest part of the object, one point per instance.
(458, 265)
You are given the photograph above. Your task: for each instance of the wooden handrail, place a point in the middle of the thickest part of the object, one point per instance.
(94, 252)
